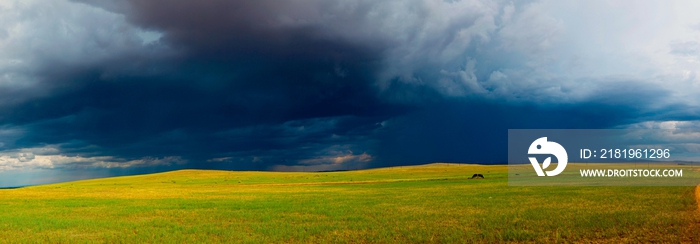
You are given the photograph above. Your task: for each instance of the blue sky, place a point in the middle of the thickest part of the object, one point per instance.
(100, 88)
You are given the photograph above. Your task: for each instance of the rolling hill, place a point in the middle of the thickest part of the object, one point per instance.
(428, 203)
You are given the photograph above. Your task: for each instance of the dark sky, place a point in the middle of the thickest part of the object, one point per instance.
(98, 88)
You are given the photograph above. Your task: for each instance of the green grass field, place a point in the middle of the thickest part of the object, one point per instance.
(430, 203)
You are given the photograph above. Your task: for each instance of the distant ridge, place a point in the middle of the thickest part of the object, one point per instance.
(13, 187)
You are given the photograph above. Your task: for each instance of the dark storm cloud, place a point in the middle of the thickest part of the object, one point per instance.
(217, 101)
(218, 30)
(137, 116)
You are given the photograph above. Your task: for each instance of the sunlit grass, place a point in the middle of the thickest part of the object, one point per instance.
(432, 203)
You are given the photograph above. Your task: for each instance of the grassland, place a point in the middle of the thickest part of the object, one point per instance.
(431, 203)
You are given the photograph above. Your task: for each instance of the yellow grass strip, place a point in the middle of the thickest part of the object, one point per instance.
(697, 196)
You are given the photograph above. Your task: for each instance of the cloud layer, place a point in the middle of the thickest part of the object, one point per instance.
(324, 85)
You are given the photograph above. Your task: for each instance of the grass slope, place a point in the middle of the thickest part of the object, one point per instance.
(430, 203)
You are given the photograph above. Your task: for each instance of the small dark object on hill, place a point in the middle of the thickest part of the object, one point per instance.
(477, 176)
